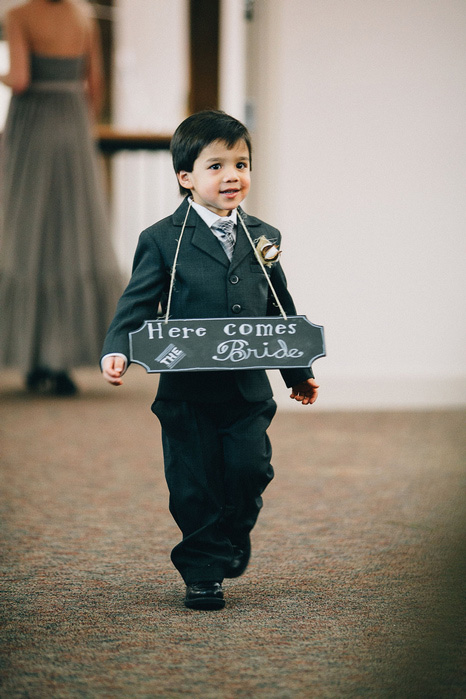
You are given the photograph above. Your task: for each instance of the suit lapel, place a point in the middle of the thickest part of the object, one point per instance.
(243, 246)
(202, 237)
(204, 240)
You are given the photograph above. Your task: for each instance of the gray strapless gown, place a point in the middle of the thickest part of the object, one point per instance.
(59, 277)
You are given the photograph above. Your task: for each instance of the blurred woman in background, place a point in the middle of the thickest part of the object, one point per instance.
(59, 278)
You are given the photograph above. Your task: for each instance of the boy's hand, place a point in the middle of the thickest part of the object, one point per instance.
(306, 392)
(113, 369)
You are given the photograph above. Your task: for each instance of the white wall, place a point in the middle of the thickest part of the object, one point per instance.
(151, 64)
(232, 59)
(361, 161)
(5, 92)
(150, 95)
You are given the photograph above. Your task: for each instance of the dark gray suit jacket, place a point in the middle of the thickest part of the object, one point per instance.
(207, 285)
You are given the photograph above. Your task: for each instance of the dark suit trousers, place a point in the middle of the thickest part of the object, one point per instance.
(217, 465)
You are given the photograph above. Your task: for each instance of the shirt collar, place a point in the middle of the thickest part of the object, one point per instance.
(209, 217)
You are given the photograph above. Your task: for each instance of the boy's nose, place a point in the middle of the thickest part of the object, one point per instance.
(231, 174)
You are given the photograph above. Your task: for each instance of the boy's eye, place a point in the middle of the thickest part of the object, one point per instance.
(215, 166)
(241, 166)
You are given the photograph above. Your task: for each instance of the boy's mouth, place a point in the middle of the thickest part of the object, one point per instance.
(230, 191)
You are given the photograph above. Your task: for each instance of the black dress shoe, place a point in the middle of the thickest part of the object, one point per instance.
(39, 380)
(204, 595)
(50, 383)
(64, 385)
(240, 560)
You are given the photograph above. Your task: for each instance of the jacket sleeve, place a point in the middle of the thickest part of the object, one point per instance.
(291, 377)
(140, 300)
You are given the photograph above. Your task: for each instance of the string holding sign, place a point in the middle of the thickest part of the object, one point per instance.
(259, 259)
(175, 260)
(256, 254)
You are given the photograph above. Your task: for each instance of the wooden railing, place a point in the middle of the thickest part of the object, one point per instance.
(111, 140)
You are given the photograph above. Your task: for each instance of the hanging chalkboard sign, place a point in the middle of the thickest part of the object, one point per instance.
(227, 343)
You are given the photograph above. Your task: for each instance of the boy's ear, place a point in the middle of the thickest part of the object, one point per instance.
(184, 178)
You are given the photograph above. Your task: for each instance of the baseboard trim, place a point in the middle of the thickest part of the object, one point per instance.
(380, 393)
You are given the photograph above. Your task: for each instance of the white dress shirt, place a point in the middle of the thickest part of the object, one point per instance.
(210, 218)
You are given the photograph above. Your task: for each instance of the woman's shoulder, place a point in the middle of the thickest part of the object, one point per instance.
(18, 13)
(56, 28)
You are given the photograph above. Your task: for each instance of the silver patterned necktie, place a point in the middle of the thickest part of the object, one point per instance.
(223, 230)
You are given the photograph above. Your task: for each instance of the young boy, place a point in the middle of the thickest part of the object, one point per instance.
(216, 450)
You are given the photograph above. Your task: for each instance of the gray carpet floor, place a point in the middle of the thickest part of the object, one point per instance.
(355, 587)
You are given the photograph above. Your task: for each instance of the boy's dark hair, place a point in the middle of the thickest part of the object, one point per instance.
(200, 130)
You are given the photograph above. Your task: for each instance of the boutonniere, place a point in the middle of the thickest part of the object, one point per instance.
(268, 251)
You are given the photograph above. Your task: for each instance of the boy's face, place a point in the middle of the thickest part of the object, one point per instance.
(220, 178)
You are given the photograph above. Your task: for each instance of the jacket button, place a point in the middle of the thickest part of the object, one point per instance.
(234, 279)
(236, 308)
